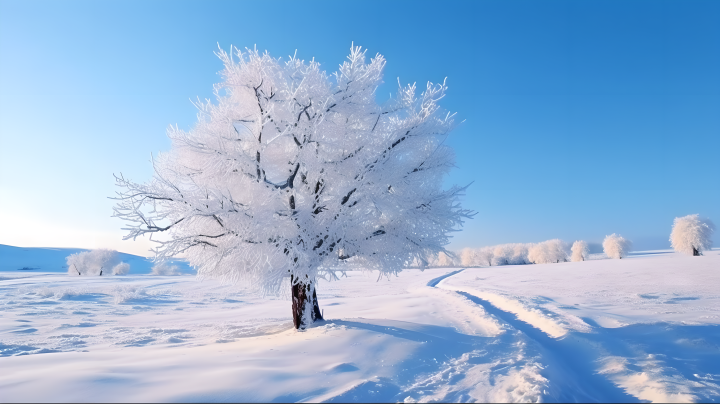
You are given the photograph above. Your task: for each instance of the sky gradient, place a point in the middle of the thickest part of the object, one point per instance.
(580, 119)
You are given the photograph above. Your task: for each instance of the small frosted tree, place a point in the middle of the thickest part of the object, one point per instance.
(485, 255)
(122, 268)
(293, 172)
(616, 246)
(580, 251)
(537, 253)
(468, 257)
(96, 263)
(519, 254)
(165, 269)
(510, 254)
(502, 254)
(442, 260)
(691, 235)
(548, 252)
(559, 249)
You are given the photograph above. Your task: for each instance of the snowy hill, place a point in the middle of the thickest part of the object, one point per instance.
(644, 328)
(37, 259)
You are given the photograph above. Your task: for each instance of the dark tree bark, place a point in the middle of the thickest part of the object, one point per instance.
(302, 293)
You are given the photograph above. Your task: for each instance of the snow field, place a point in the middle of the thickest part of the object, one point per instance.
(641, 328)
(648, 323)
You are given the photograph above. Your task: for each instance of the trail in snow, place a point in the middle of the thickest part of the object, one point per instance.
(435, 281)
(659, 361)
(570, 362)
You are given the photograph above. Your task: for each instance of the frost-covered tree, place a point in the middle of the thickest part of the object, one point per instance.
(96, 263)
(560, 250)
(446, 259)
(468, 257)
(293, 171)
(485, 255)
(548, 252)
(165, 269)
(616, 246)
(502, 254)
(692, 235)
(520, 254)
(442, 259)
(580, 251)
(122, 268)
(511, 254)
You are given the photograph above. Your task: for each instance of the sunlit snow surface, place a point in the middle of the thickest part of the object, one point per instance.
(644, 328)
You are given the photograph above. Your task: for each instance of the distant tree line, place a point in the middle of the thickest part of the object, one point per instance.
(691, 235)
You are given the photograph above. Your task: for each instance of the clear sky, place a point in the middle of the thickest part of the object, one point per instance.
(581, 118)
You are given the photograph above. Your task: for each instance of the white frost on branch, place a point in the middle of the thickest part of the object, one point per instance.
(293, 171)
(692, 235)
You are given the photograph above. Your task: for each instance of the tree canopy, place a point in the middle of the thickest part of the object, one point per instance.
(293, 173)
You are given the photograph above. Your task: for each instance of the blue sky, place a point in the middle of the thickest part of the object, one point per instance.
(581, 118)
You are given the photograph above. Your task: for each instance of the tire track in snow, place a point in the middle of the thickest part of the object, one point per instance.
(569, 359)
(658, 362)
(533, 317)
(470, 319)
(434, 282)
(482, 362)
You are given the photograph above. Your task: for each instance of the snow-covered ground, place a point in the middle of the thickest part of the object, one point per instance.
(644, 328)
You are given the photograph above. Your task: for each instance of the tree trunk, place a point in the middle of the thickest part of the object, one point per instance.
(304, 304)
